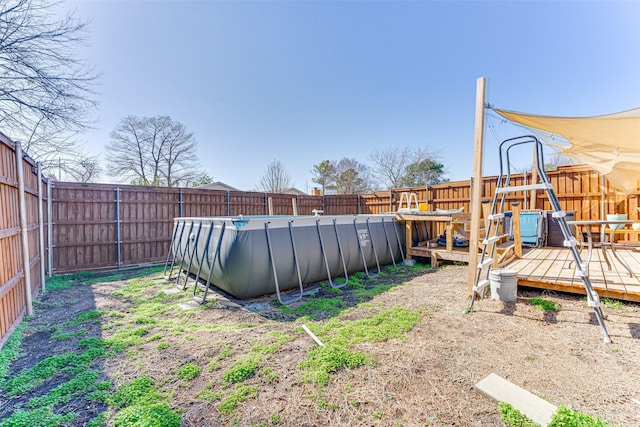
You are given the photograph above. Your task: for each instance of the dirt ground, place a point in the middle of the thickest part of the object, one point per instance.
(426, 379)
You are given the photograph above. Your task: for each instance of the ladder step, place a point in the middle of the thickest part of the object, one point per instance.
(496, 216)
(493, 239)
(487, 262)
(559, 214)
(480, 286)
(516, 188)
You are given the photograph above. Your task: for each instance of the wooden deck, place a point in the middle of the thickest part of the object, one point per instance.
(553, 268)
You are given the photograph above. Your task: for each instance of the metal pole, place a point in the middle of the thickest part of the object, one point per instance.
(41, 224)
(228, 202)
(23, 228)
(180, 202)
(118, 225)
(266, 206)
(50, 226)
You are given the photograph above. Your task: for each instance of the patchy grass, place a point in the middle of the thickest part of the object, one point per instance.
(189, 371)
(239, 395)
(612, 303)
(563, 417)
(339, 336)
(543, 304)
(242, 359)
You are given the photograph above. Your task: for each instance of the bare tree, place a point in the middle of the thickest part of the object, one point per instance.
(352, 177)
(396, 167)
(389, 165)
(275, 178)
(84, 169)
(152, 151)
(46, 91)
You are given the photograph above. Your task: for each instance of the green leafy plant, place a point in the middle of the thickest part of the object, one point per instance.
(565, 417)
(245, 367)
(239, 395)
(188, 371)
(514, 418)
(543, 304)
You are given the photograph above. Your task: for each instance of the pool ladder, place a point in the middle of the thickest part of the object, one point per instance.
(492, 237)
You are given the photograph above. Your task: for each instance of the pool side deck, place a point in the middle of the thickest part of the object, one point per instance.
(554, 269)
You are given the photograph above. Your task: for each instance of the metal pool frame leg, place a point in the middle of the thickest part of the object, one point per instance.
(373, 247)
(196, 238)
(273, 265)
(344, 264)
(386, 237)
(324, 257)
(182, 254)
(173, 248)
(211, 264)
(295, 259)
(201, 260)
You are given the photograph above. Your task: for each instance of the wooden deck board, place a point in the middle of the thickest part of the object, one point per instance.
(553, 268)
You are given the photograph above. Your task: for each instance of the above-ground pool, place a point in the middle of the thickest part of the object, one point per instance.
(253, 256)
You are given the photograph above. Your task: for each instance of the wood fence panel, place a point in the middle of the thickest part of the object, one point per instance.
(307, 204)
(247, 203)
(84, 227)
(200, 203)
(282, 203)
(12, 274)
(146, 222)
(347, 204)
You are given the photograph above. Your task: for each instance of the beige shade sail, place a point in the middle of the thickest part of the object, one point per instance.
(610, 143)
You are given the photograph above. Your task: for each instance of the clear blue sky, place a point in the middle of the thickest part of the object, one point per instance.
(306, 81)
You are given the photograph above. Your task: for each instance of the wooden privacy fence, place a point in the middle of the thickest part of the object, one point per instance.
(105, 226)
(22, 237)
(108, 226)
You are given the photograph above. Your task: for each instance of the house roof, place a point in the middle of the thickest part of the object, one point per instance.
(218, 186)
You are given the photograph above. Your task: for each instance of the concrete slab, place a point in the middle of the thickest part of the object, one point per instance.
(534, 407)
(171, 291)
(188, 305)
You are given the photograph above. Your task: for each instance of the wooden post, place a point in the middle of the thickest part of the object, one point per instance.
(486, 211)
(476, 196)
(269, 206)
(24, 231)
(449, 241)
(515, 220)
(408, 236)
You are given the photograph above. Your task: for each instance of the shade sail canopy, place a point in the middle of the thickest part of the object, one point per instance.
(610, 143)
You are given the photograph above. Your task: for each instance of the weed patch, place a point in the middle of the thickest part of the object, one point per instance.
(239, 395)
(188, 371)
(543, 304)
(245, 367)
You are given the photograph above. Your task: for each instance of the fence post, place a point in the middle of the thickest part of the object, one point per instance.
(118, 225)
(391, 200)
(426, 197)
(358, 204)
(50, 225)
(41, 226)
(266, 204)
(228, 202)
(180, 202)
(23, 229)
